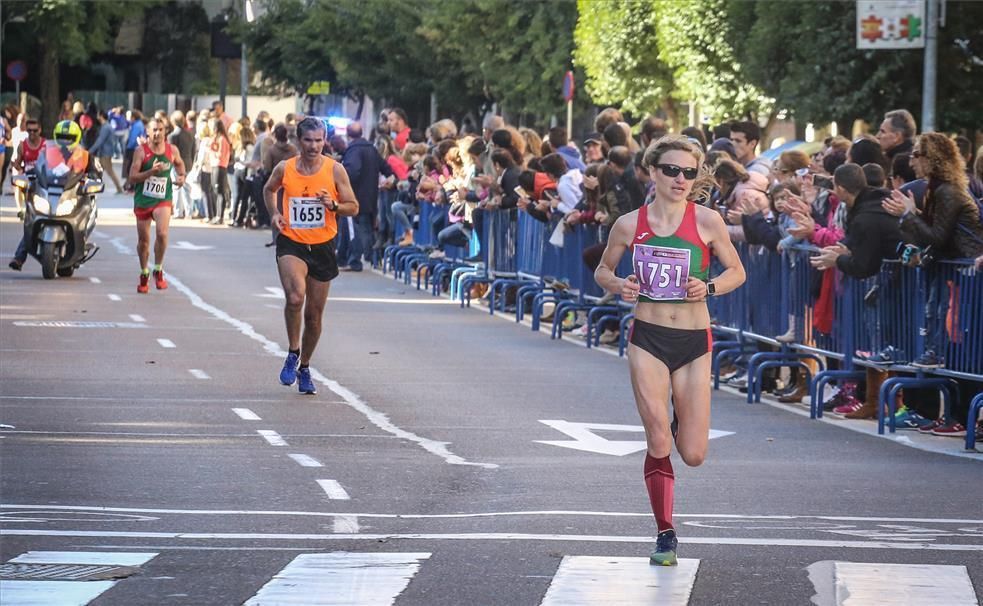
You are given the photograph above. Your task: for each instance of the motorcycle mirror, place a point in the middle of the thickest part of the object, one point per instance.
(94, 186)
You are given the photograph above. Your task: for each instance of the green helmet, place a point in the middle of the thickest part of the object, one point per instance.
(68, 133)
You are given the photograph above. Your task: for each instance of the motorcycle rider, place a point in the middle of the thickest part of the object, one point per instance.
(150, 172)
(62, 155)
(25, 157)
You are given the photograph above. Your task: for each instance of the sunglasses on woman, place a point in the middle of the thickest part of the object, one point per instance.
(671, 171)
(917, 154)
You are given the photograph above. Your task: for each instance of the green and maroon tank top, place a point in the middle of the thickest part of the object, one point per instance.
(156, 188)
(686, 237)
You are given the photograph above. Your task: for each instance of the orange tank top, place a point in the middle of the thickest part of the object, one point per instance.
(308, 221)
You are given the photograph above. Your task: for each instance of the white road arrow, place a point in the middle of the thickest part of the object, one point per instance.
(275, 292)
(185, 245)
(584, 437)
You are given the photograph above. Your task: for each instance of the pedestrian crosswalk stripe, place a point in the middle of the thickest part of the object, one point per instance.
(65, 593)
(583, 580)
(328, 579)
(334, 489)
(860, 583)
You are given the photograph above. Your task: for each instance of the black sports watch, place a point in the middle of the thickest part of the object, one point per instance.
(334, 206)
(711, 289)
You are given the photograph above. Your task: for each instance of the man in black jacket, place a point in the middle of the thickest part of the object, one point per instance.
(872, 234)
(364, 164)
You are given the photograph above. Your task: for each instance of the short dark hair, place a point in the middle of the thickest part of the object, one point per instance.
(965, 147)
(620, 156)
(901, 168)
(694, 132)
(557, 137)
(417, 136)
(503, 158)
(850, 177)
(653, 128)
(833, 160)
(721, 131)
(260, 125)
(750, 129)
(866, 149)
(401, 114)
(554, 165)
(502, 138)
(874, 174)
(309, 125)
(527, 180)
(477, 147)
(614, 135)
(280, 132)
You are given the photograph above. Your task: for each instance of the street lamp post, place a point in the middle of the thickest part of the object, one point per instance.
(247, 12)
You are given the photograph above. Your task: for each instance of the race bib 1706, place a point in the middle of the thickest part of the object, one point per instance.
(662, 272)
(306, 213)
(155, 187)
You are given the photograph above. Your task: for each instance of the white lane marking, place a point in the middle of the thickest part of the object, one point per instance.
(121, 248)
(489, 514)
(620, 580)
(166, 343)
(63, 593)
(272, 437)
(66, 593)
(861, 583)
(345, 525)
(113, 297)
(273, 292)
(341, 578)
(98, 558)
(584, 437)
(199, 373)
(495, 536)
(333, 489)
(95, 280)
(396, 301)
(137, 318)
(375, 417)
(246, 414)
(305, 461)
(185, 245)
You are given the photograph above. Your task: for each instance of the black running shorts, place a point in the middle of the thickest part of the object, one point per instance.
(674, 347)
(322, 263)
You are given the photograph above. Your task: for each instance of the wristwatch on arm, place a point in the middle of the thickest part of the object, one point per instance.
(711, 288)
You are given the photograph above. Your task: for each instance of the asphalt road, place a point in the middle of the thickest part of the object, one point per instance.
(149, 433)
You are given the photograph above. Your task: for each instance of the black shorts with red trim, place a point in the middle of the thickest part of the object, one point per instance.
(674, 347)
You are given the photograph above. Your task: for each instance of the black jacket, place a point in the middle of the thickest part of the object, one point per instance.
(761, 230)
(364, 165)
(950, 223)
(872, 235)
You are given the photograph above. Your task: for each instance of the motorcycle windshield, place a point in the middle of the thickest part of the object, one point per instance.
(59, 167)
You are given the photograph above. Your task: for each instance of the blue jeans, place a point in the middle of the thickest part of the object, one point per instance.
(401, 214)
(353, 246)
(386, 199)
(936, 309)
(454, 235)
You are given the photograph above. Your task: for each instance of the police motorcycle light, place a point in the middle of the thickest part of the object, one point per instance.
(66, 206)
(41, 205)
(94, 186)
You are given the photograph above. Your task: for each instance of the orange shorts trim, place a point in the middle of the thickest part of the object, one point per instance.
(144, 213)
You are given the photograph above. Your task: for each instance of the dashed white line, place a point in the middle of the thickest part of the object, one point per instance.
(272, 437)
(198, 373)
(95, 280)
(334, 490)
(305, 461)
(166, 343)
(137, 318)
(246, 414)
(345, 525)
(113, 297)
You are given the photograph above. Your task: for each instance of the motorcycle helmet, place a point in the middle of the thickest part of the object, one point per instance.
(68, 133)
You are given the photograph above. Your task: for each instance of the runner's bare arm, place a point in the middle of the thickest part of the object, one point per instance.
(273, 185)
(618, 243)
(138, 176)
(348, 204)
(720, 243)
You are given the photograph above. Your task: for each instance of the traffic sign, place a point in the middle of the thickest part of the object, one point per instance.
(569, 87)
(17, 70)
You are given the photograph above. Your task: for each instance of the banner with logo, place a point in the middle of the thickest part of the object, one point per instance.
(890, 24)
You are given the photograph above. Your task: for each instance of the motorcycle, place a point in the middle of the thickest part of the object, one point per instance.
(59, 216)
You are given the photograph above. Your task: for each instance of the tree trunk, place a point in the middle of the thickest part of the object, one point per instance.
(50, 95)
(361, 106)
(672, 113)
(766, 131)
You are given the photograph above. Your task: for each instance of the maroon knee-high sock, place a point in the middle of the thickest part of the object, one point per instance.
(659, 481)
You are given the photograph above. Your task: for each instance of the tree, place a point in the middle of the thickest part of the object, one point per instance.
(617, 48)
(68, 33)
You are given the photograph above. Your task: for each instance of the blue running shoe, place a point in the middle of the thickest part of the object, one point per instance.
(909, 419)
(665, 549)
(289, 373)
(305, 384)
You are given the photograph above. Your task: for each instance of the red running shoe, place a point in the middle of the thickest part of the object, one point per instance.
(952, 430)
(144, 286)
(159, 279)
(850, 404)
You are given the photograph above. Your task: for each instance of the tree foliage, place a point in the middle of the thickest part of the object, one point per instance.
(616, 45)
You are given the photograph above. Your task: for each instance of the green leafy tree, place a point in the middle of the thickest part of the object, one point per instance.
(68, 33)
(616, 46)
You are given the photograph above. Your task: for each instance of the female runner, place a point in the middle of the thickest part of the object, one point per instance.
(670, 341)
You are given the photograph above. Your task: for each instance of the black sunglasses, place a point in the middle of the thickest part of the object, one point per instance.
(671, 171)
(34, 130)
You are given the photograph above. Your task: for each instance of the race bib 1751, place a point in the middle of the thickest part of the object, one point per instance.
(306, 213)
(662, 272)
(155, 187)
